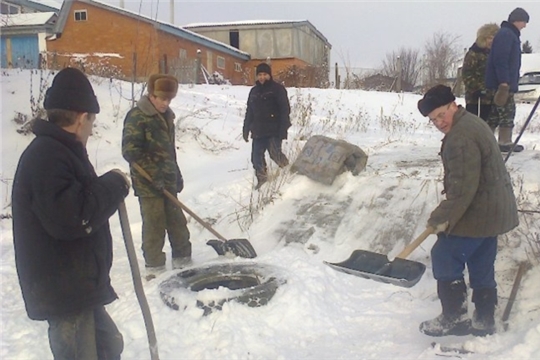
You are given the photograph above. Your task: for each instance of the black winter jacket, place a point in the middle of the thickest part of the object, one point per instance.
(63, 245)
(268, 109)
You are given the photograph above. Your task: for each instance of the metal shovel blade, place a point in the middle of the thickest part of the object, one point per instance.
(374, 266)
(238, 247)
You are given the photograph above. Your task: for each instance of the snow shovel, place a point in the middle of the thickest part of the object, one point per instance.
(238, 247)
(136, 274)
(374, 266)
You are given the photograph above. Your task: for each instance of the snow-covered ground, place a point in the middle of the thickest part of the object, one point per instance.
(319, 313)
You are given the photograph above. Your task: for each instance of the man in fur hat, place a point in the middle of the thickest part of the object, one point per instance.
(267, 118)
(148, 140)
(479, 206)
(502, 76)
(61, 210)
(477, 98)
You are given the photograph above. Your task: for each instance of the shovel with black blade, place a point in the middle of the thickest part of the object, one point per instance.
(238, 247)
(374, 266)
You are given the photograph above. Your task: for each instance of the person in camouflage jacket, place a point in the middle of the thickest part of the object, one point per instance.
(148, 140)
(474, 70)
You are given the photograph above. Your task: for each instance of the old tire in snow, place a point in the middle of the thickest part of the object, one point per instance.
(251, 284)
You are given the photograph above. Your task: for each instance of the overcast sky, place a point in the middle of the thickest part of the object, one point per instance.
(361, 33)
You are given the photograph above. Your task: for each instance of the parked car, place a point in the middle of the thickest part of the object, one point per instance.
(529, 87)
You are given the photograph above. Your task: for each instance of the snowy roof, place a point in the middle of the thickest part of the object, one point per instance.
(50, 3)
(244, 22)
(28, 19)
(162, 25)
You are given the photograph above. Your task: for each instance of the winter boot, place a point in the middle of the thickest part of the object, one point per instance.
(181, 262)
(262, 177)
(505, 141)
(485, 301)
(153, 271)
(454, 319)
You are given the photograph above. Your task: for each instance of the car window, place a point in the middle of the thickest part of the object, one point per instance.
(530, 78)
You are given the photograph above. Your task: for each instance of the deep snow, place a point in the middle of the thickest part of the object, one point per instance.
(319, 313)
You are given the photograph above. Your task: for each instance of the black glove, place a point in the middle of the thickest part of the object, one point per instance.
(179, 184)
(245, 135)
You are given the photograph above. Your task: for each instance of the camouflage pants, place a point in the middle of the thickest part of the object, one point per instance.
(90, 334)
(503, 116)
(160, 215)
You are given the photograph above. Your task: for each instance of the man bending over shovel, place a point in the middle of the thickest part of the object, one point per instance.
(479, 206)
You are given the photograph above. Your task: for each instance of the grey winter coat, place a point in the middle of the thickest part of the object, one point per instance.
(479, 201)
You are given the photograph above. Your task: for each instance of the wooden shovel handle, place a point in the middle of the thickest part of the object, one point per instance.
(175, 200)
(413, 245)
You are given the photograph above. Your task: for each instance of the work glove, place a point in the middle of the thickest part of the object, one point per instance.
(440, 227)
(501, 95)
(245, 135)
(124, 176)
(179, 184)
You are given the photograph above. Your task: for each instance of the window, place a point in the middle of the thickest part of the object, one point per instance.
(10, 9)
(80, 15)
(234, 39)
(182, 54)
(220, 62)
(237, 67)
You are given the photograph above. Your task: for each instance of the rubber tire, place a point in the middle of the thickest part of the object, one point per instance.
(267, 280)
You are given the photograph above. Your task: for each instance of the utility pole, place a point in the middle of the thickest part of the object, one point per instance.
(122, 4)
(399, 75)
(172, 12)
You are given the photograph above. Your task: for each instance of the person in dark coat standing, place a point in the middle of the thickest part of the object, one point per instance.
(479, 206)
(63, 245)
(267, 118)
(502, 76)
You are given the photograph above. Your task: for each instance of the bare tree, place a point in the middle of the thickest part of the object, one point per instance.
(442, 52)
(410, 65)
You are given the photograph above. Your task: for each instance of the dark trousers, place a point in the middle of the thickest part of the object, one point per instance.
(88, 335)
(451, 253)
(160, 215)
(273, 146)
(484, 110)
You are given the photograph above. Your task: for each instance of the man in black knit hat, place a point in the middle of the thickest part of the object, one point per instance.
(502, 76)
(479, 206)
(61, 208)
(267, 118)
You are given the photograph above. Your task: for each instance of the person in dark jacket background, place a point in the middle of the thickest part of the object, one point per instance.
(63, 245)
(502, 76)
(267, 118)
(479, 205)
(477, 98)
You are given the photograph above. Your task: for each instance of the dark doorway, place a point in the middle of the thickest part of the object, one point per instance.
(234, 39)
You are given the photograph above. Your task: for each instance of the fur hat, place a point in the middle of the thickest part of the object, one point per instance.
(486, 31)
(163, 86)
(435, 97)
(263, 68)
(71, 90)
(518, 14)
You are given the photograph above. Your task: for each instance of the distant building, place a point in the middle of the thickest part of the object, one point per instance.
(289, 45)
(8, 7)
(109, 41)
(24, 25)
